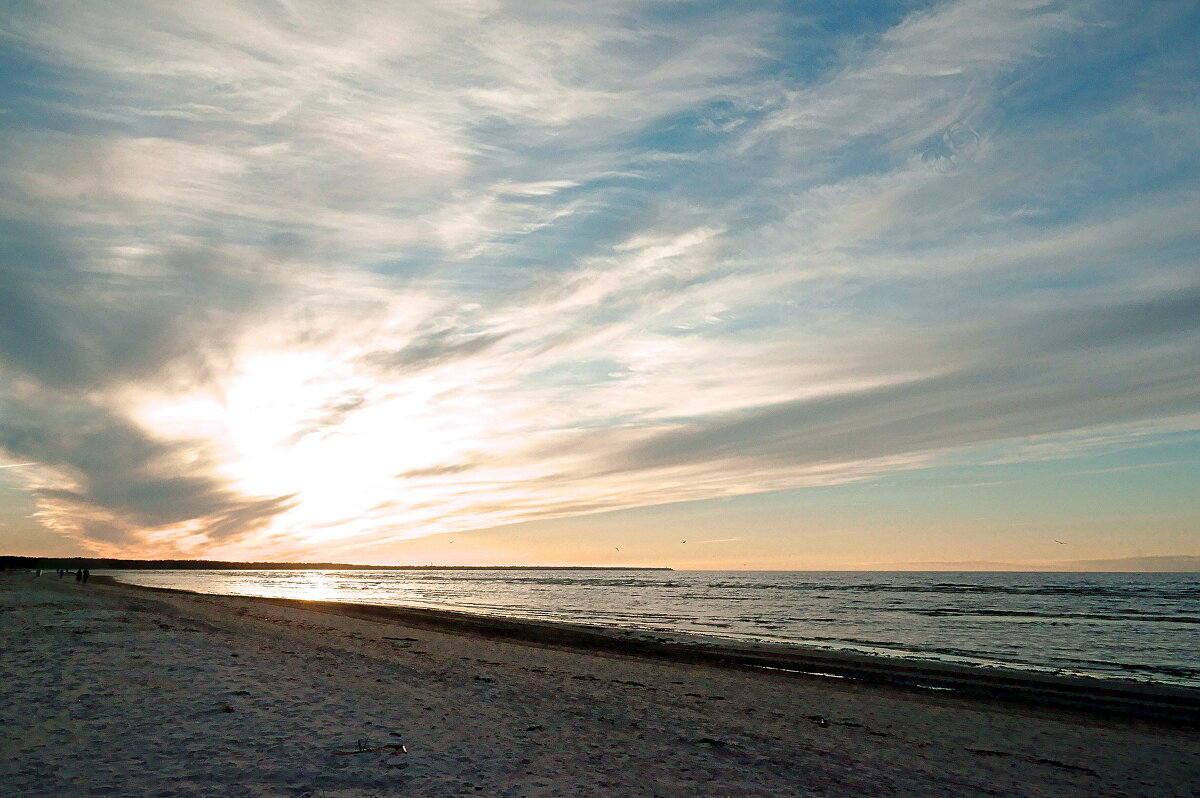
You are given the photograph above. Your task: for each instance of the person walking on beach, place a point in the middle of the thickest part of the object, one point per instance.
(86, 574)
(78, 574)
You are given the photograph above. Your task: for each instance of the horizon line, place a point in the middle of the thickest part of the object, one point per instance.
(1190, 562)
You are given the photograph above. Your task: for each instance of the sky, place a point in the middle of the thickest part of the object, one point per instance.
(756, 285)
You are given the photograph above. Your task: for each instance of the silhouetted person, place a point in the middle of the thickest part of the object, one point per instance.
(86, 574)
(61, 571)
(78, 574)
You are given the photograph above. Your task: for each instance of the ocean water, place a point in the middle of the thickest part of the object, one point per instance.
(1143, 627)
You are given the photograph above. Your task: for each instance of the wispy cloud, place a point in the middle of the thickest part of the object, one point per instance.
(280, 277)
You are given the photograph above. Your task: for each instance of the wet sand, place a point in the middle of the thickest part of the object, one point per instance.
(110, 690)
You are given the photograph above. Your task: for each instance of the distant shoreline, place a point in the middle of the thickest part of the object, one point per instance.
(96, 563)
(1163, 565)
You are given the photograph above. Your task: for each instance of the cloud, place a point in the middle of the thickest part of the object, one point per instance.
(1036, 375)
(294, 275)
(930, 78)
(433, 349)
(120, 482)
(436, 471)
(928, 415)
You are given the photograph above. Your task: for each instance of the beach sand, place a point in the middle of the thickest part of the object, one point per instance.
(110, 690)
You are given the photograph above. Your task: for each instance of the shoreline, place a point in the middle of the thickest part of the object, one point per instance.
(10, 561)
(1145, 700)
(119, 691)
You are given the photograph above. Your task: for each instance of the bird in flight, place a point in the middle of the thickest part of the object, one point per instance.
(1061, 542)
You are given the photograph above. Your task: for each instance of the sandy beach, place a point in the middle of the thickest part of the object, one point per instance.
(109, 690)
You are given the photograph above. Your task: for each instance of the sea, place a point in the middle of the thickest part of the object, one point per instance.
(1136, 627)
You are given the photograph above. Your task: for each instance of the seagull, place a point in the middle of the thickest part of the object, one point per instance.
(1061, 542)
(618, 548)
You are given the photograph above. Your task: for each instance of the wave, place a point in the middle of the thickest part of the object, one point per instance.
(1139, 592)
(1131, 615)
